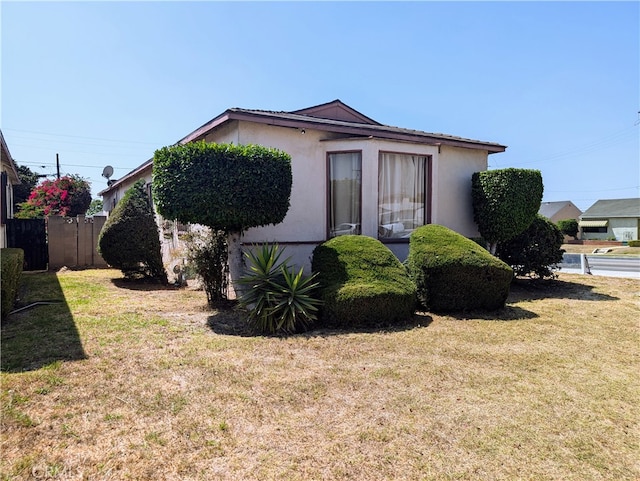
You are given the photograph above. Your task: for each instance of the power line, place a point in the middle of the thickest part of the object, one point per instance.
(49, 164)
(604, 142)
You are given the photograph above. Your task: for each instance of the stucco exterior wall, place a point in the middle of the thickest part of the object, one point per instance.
(567, 212)
(452, 203)
(111, 198)
(622, 228)
(305, 224)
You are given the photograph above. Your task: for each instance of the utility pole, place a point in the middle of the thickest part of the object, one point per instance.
(57, 166)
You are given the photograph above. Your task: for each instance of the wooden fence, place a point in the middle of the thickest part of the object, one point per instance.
(73, 241)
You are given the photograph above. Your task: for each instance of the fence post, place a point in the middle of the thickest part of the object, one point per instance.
(584, 264)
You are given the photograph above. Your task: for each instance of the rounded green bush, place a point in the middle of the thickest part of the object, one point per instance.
(634, 243)
(453, 273)
(536, 252)
(362, 283)
(129, 239)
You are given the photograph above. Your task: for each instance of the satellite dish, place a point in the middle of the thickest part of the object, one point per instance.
(107, 172)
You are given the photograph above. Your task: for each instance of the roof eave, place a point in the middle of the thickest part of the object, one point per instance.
(364, 130)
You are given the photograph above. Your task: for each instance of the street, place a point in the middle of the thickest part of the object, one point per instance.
(621, 266)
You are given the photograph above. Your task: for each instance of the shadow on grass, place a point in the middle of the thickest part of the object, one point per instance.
(523, 290)
(507, 313)
(233, 322)
(531, 290)
(37, 336)
(142, 285)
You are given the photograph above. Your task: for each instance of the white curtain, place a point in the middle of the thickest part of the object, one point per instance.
(401, 193)
(345, 192)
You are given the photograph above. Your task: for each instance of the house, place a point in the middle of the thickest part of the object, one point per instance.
(8, 178)
(562, 210)
(611, 219)
(351, 175)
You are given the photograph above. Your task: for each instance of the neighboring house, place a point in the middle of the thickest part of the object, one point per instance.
(611, 219)
(562, 210)
(9, 178)
(351, 175)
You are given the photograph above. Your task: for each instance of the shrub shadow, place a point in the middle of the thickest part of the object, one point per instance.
(232, 322)
(142, 285)
(34, 336)
(419, 320)
(534, 289)
(507, 313)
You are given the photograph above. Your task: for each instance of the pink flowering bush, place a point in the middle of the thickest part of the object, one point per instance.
(67, 196)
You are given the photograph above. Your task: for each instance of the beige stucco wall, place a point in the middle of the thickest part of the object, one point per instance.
(305, 224)
(452, 204)
(567, 212)
(306, 220)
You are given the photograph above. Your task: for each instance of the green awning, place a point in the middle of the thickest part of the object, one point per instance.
(594, 223)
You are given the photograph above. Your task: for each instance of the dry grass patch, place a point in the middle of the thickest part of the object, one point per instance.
(166, 389)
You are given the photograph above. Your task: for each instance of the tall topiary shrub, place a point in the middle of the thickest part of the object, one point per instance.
(224, 187)
(129, 239)
(536, 251)
(505, 202)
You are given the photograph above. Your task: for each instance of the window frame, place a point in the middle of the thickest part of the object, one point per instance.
(328, 187)
(428, 184)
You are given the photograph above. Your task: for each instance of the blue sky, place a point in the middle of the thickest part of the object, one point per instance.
(107, 83)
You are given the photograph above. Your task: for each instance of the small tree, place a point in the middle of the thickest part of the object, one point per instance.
(569, 227)
(95, 207)
(129, 239)
(67, 196)
(224, 187)
(536, 251)
(28, 181)
(505, 202)
(208, 255)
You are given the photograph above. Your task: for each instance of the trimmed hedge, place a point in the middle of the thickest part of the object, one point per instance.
(453, 273)
(223, 186)
(362, 283)
(129, 239)
(634, 243)
(536, 252)
(12, 261)
(505, 202)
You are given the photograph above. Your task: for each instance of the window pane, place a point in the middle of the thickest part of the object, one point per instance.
(344, 193)
(401, 194)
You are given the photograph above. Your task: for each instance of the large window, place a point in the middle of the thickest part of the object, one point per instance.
(402, 194)
(345, 193)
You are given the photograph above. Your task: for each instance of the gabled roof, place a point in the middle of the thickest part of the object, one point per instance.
(608, 208)
(335, 117)
(549, 209)
(356, 125)
(7, 160)
(336, 110)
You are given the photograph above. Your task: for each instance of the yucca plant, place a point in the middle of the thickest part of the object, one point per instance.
(295, 305)
(278, 300)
